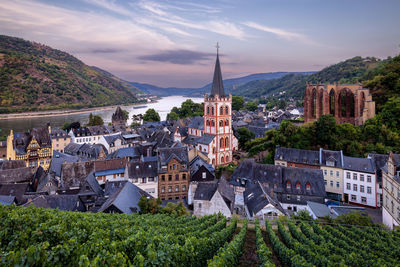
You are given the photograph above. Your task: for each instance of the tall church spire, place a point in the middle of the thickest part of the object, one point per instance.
(217, 85)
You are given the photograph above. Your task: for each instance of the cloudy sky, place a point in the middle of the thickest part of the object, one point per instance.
(172, 42)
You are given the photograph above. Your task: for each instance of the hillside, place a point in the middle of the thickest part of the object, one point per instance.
(353, 70)
(229, 85)
(37, 77)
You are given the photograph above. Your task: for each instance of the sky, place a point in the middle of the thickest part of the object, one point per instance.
(173, 42)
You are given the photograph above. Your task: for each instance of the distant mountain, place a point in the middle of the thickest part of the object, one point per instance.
(37, 77)
(353, 70)
(229, 85)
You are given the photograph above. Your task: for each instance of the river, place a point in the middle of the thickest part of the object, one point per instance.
(163, 106)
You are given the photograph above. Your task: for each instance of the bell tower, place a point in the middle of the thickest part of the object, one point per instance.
(218, 119)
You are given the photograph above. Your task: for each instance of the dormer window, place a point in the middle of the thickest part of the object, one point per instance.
(137, 166)
(250, 196)
(298, 187)
(308, 187)
(288, 185)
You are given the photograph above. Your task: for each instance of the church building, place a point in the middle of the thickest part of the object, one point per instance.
(216, 134)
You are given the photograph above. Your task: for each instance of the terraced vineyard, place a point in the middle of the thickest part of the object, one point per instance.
(45, 237)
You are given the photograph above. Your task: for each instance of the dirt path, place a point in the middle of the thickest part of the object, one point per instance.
(249, 256)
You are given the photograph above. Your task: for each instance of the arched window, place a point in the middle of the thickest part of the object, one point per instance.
(308, 187)
(221, 123)
(212, 123)
(221, 142)
(226, 110)
(213, 150)
(332, 102)
(226, 122)
(222, 159)
(362, 100)
(221, 111)
(212, 110)
(288, 185)
(208, 123)
(226, 142)
(298, 186)
(213, 162)
(314, 104)
(227, 159)
(321, 102)
(208, 110)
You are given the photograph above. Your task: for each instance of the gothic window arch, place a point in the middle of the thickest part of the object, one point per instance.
(226, 142)
(208, 110)
(226, 122)
(288, 185)
(332, 102)
(213, 162)
(222, 159)
(208, 123)
(227, 159)
(298, 186)
(221, 142)
(221, 111)
(321, 102)
(362, 100)
(212, 110)
(221, 123)
(212, 123)
(314, 104)
(308, 186)
(227, 110)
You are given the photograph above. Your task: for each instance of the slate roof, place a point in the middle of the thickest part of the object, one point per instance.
(58, 133)
(125, 199)
(17, 190)
(98, 130)
(113, 164)
(58, 159)
(7, 200)
(320, 210)
(191, 140)
(49, 177)
(61, 202)
(110, 187)
(93, 184)
(336, 156)
(256, 198)
(379, 161)
(18, 175)
(218, 84)
(73, 174)
(110, 139)
(358, 164)
(127, 152)
(197, 123)
(314, 177)
(165, 155)
(205, 191)
(12, 164)
(139, 169)
(302, 156)
(197, 162)
(21, 140)
(206, 139)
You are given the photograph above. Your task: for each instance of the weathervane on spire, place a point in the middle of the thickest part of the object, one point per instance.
(217, 46)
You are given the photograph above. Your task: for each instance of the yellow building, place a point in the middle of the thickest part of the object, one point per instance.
(59, 139)
(33, 147)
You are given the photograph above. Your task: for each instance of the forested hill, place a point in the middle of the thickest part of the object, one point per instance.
(353, 70)
(37, 77)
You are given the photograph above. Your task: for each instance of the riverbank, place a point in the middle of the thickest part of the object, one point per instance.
(53, 113)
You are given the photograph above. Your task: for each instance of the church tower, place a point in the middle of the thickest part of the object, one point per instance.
(218, 120)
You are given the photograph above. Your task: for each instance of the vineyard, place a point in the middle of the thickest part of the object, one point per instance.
(45, 237)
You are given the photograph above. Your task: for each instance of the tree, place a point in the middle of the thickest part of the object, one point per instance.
(126, 114)
(237, 102)
(172, 116)
(151, 115)
(244, 136)
(188, 109)
(251, 106)
(354, 218)
(71, 125)
(95, 120)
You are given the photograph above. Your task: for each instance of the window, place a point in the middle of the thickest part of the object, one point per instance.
(337, 173)
(288, 185)
(170, 177)
(348, 186)
(331, 183)
(347, 175)
(169, 189)
(362, 177)
(221, 111)
(337, 184)
(221, 143)
(163, 189)
(308, 187)
(226, 122)
(354, 176)
(144, 180)
(363, 200)
(288, 197)
(184, 176)
(199, 205)
(163, 177)
(298, 198)
(298, 187)
(368, 178)
(183, 188)
(208, 111)
(151, 179)
(204, 175)
(354, 187)
(221, 123)
(212, 111)
(369, 189)
(114, 176)
(176, 177)
(361, 188)
(326, 182)
(176, 188)
(173, 166)
(325, 172)
(353, 198)
(331, 173)
(226, 110)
